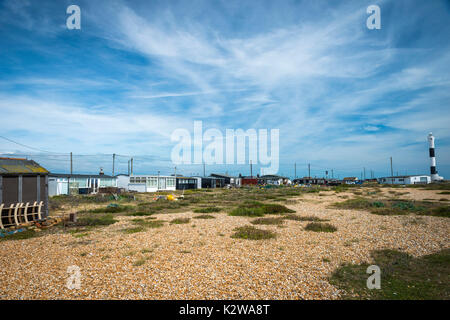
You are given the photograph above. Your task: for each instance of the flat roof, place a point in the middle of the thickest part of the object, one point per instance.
(20, 166)
(67, 175)
(413, 175)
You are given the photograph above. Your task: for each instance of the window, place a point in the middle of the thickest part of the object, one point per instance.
(170, 182)
(152, 182)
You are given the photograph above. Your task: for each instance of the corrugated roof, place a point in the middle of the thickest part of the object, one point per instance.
(17, 166)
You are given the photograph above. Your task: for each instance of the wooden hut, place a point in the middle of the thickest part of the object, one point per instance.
(23, 192)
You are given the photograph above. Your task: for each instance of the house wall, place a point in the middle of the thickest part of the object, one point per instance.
(152, 183)
(23, 188)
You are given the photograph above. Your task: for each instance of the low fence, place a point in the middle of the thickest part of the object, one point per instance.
(20, 214)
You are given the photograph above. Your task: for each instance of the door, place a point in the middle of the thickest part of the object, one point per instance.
(162, 184)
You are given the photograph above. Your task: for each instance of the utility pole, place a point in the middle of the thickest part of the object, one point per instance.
(392, 173)
(114, 160)
(71, 164)
(204, 170)
(251, 169)
(309, 170)
(364, 173)
(175, 172)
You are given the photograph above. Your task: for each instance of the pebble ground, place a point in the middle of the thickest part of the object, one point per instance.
(200, 260)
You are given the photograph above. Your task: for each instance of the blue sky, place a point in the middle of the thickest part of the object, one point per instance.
(344, 97)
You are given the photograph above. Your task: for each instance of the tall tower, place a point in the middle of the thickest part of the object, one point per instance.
(433, 171)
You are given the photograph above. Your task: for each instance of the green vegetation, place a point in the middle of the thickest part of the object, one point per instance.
(268, 221)
(302, 218)
(112, 208)
(403, 277)
(320, 227)
(133, 230)
(249, 212)
(207, 210)
(29, 233)
(395, 207)
(204, 216)
(148, 223)
(180, 220)
(139, 262)
(140, 213)
(96, 220)
(258, 209)
(252, 233)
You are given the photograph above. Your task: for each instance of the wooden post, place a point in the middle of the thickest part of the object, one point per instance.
(11, 208)
(39, 210)
(34, 210)
(16, 209)
(25, 212)
(1, 216)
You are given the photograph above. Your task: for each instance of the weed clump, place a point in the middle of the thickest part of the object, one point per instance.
(320, 227)
(180, 221)
(252, 233)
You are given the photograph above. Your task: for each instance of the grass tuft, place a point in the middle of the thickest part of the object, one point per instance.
(252, 233)
(320, 227)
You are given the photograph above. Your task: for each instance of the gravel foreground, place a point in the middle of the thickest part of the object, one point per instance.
(200, 260)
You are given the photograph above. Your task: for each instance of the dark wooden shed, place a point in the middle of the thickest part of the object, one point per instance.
(23, 192)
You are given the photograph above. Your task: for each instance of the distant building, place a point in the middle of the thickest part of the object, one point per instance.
(66, 183)
(122, 181)
(350, 180)
(212, 182)
(413, 179)
(228, 180)
(274, 179)
(249, 181)
(185, 183)
(151, 183)
(310, 180)
(23, 192)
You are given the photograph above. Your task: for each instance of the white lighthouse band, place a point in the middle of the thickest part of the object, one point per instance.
(433, 171)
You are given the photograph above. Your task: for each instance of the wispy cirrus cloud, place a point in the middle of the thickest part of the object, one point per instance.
(338, 92)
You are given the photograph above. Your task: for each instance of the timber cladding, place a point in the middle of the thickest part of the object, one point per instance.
(23, 191)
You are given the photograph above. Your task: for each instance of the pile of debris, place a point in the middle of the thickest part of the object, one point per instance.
(32, 225)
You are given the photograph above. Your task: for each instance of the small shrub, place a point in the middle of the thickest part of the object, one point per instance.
(302, 218)
(140, 213)
(180, 221)
(441, 212)
(249, 212)
(139, 262)
(148, 223)
(96, 220)
(320, 227)
(268, 221)
(133, 230)
(252, 233)
(207, 210)
(204, 216)
(111, 209)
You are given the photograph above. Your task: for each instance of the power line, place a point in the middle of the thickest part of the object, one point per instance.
(24, 145)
